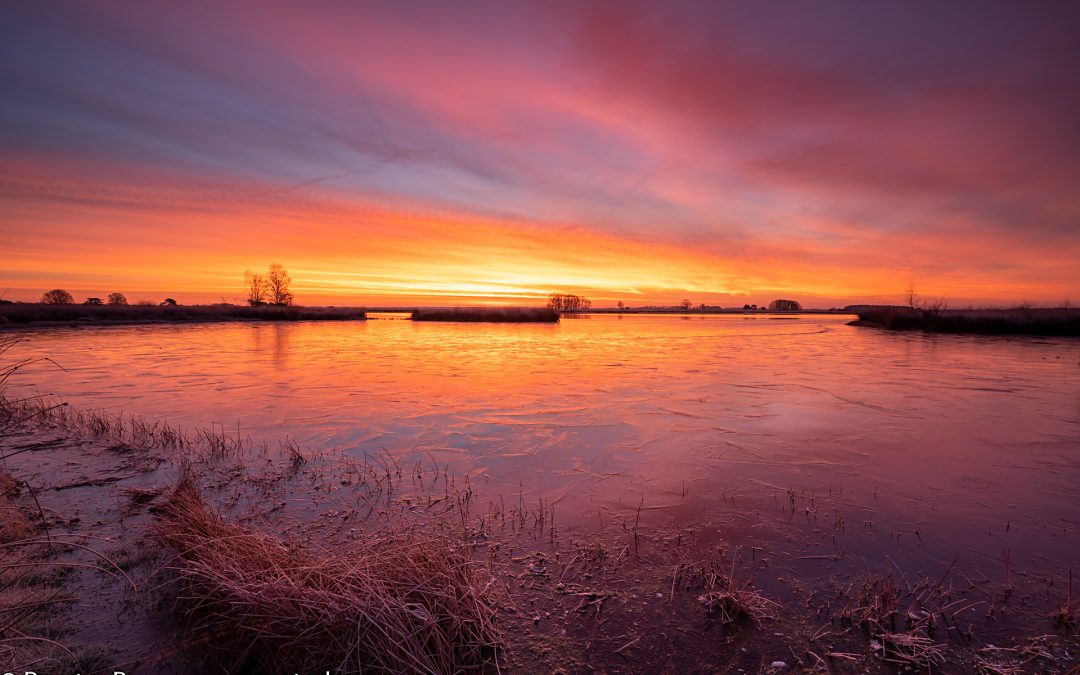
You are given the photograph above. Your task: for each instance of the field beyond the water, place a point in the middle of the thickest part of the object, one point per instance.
(35, 314)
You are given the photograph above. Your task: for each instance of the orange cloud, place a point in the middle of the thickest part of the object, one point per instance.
(393, 155)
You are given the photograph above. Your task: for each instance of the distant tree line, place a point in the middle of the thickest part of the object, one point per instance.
(780, 305)
(59, 296)
(271, 288)
(564, 302)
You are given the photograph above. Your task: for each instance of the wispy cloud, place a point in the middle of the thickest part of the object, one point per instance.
(630, 150)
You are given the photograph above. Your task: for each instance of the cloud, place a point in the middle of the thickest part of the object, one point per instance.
(835, 150)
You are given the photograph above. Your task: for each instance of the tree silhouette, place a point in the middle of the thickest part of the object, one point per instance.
(92, 301)
(277, 283)
(117, 299)
(686, 304)
(255, 286)
(168, 302)
(270, 288)
(784, 306)
(563, 302)
(57, 296)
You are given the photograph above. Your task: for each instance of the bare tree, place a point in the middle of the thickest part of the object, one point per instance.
(277, 283)
(57, 296)
(117, 299)
(927, 305)
(565, 302)
(911, 296)
(256, 288)
(686, 304)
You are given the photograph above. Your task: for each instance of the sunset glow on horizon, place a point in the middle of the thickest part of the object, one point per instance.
(427, 154)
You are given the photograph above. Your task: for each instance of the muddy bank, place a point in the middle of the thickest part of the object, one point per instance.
(621, 597)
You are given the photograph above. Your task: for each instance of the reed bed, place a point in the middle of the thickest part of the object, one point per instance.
(1018, 321)
(27, 314)
(403, 601)
(488, 314)
(132, 430)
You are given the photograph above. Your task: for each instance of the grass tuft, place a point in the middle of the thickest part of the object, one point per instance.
(403, 601)
(730, 601)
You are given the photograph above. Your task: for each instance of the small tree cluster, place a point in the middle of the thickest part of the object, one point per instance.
(271, 288)
(57, 296)
(784, 306)
(562, 302)
(117, 299)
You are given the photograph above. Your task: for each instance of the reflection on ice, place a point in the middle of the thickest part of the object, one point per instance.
(973, 443)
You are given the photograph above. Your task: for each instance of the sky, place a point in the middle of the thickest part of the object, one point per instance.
(394, 153)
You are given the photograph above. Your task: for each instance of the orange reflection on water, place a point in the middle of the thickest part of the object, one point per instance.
(709, 420)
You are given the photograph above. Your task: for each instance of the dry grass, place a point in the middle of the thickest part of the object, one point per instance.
(735, 603)
(402, 602)
(909, 649)
(1064, 617)
(730, 601)
(871, 603)
(26, 594)
(901, 620)
(13, 524)
(488, 314)
(130, 429)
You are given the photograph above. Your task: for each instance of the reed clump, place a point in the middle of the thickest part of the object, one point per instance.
(488, 314)
(1017, 321)
(1065, 616)
(730, 601)
(735, 603)
(402, 601)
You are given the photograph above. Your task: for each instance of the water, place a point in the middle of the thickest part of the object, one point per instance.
(819, 439)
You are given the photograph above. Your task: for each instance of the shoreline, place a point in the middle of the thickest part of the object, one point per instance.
(626, 598)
